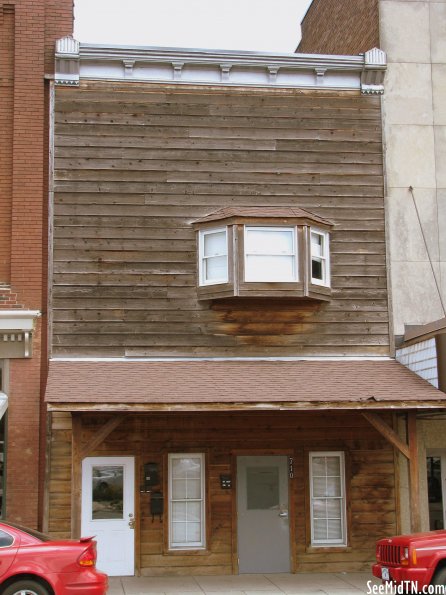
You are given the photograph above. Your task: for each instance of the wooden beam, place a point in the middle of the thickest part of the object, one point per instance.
(414, 480)
(76, 475)
(388, 432)
(102, 434)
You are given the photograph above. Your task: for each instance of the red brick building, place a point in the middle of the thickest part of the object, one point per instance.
(28, 31)
(340, 27)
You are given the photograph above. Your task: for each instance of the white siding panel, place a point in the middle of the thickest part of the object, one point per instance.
(421, 358)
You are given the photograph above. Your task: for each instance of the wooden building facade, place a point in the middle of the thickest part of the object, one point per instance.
(221, 393)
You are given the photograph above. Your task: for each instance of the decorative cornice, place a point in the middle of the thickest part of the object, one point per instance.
(75, 62)
(16, 328)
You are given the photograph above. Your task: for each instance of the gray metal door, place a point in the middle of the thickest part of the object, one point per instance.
(262, 510)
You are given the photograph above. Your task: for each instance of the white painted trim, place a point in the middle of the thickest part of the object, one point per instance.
(226, 359)
(18, 320)
(85, 61)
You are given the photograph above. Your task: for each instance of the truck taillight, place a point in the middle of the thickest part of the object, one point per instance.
(88, 558)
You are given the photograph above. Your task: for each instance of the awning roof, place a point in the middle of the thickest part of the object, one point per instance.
(242, 384)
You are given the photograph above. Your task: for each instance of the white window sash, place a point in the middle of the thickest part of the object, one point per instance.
(203, 280)
(342, 540)
(323, 258)
(290, 255)
(184, 545)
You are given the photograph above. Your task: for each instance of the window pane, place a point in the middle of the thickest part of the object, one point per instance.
(320, 509)
(262, 488)
(270, 268)
(319, 486)
(333, 508)
(193, 488)
(334, 486)
(334, 529)
(333, 466)
(179, 489)
(216, 268)
(194, 512)
(107, 496)
(214, 244)
(179, 511)
(319, 466)
(320, 530)
(193, 532)
(317, 244)
(317, 270)
(269, 241)
(179, 532)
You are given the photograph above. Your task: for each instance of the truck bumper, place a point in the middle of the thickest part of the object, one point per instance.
(416, 577)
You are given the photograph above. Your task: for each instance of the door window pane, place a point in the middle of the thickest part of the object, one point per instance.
(107, 492)
(262, 488)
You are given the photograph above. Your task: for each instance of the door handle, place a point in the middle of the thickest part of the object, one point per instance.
(132, 521)
(284, 513)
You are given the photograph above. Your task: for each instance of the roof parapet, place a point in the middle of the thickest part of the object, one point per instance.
(76, 61)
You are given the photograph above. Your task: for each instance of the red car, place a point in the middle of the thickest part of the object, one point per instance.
(32, 563)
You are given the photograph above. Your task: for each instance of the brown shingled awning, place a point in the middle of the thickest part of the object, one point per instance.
(251, 384)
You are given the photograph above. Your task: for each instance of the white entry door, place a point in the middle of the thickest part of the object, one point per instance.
(108, 511)
(263, 528)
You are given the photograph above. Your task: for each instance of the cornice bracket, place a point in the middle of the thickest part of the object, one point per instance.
(372, 76)
(67, 62)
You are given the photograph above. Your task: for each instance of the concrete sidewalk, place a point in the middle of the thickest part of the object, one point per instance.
(354, 583)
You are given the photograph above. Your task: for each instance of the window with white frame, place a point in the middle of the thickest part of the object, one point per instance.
(213, 256)
(186, 501)
(270, 254)
(320, 261)
(327, 496)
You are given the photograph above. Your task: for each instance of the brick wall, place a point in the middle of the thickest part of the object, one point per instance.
(340, 27)
(28, 31)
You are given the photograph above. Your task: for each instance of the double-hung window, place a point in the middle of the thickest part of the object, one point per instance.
(213, 256)
(186, 501)
(327, 496)
(320, 262)
(270, 254)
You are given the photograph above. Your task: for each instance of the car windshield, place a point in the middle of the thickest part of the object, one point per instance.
(31, 532)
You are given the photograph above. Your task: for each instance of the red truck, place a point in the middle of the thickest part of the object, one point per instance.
(413, 563)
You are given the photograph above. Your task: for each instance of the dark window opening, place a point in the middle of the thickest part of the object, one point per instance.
(435, 494)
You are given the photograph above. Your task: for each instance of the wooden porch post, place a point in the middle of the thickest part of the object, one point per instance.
(414, 481)
(76, 475)
(410, 451)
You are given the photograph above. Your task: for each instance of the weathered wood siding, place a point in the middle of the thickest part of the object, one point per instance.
(370, 478)
(135, 165)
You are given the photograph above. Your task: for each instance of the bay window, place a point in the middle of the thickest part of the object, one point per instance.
(266, 252)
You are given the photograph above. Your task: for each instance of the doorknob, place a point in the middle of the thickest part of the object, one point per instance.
(132, 521)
